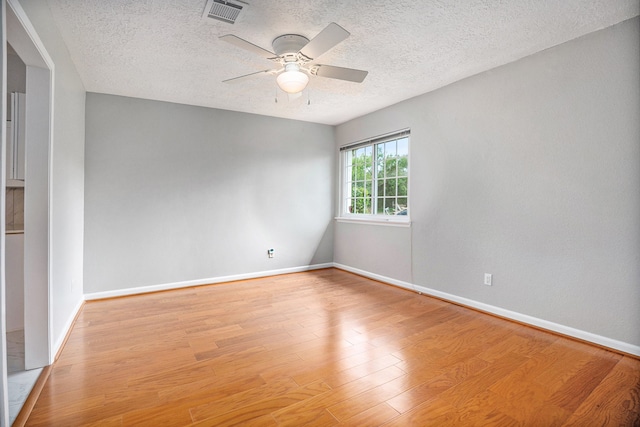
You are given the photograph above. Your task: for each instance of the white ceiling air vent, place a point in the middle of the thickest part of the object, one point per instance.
(225, 11)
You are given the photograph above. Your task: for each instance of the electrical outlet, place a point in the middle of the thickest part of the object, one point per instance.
(270, 252)
(487, 279)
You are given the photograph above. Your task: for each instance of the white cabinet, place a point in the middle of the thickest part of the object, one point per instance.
(16, 141)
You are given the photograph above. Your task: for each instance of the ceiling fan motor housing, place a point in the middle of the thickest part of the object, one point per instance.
(288, 45)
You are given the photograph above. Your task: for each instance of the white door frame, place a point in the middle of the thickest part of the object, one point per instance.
(18, 30)
(4, 398)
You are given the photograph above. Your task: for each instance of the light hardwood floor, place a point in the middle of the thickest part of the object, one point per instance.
(324, 348)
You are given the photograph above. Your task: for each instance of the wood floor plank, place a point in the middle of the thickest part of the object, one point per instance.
(615, 401)
(576, 389)
(430, 383)
(372, 417)
(432, 412)
(461, 393)
(157, 416)
(244, 398)
(361, 370)
(178, 402)
(338, 394)
(79, 412)
(324, 348)
(351, 407)
(209, 389)
(108, 422)
(262, 406)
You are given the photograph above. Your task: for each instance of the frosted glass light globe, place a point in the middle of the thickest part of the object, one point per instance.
(292, 80)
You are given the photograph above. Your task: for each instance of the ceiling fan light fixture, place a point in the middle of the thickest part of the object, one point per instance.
(292, 80)
(296, 56)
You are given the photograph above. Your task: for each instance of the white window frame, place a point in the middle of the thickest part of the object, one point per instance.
(344, 215)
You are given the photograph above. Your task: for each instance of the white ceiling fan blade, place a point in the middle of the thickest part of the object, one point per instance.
(240, 78)
(340, 73)
(241, 43)
(328, 38)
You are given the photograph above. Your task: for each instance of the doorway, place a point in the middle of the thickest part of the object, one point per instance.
(22, 37)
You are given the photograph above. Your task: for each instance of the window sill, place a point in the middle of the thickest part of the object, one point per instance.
(389, 222)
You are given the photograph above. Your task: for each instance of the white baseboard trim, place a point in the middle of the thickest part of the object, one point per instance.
(65, 331)
(200, 282)
(519, 317)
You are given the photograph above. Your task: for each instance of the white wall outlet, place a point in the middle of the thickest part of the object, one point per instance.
(487, 279)
(270, 252)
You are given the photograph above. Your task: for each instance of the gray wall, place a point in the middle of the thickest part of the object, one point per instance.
(177, 193)
(529, 171)
(67, 175)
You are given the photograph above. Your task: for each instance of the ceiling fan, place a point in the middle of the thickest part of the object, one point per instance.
(296, 55)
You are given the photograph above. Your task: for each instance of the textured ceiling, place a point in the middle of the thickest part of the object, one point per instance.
(164, 50)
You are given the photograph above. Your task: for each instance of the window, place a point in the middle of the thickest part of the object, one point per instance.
(376, 177)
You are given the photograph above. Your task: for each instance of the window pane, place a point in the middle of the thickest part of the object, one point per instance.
(381, 187)
(403, 163)
(359, 163)
(403, 147)
(368, 188)
(390, 188)
(359, 170)
(368, 162)
(380, 160)
(403, 208)
(389, 206)
(368, 151)
(390, 148)
(403, 156)
(359, 206)
(403, 184)
(390, 166)
(380, 206)
(367, 206)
